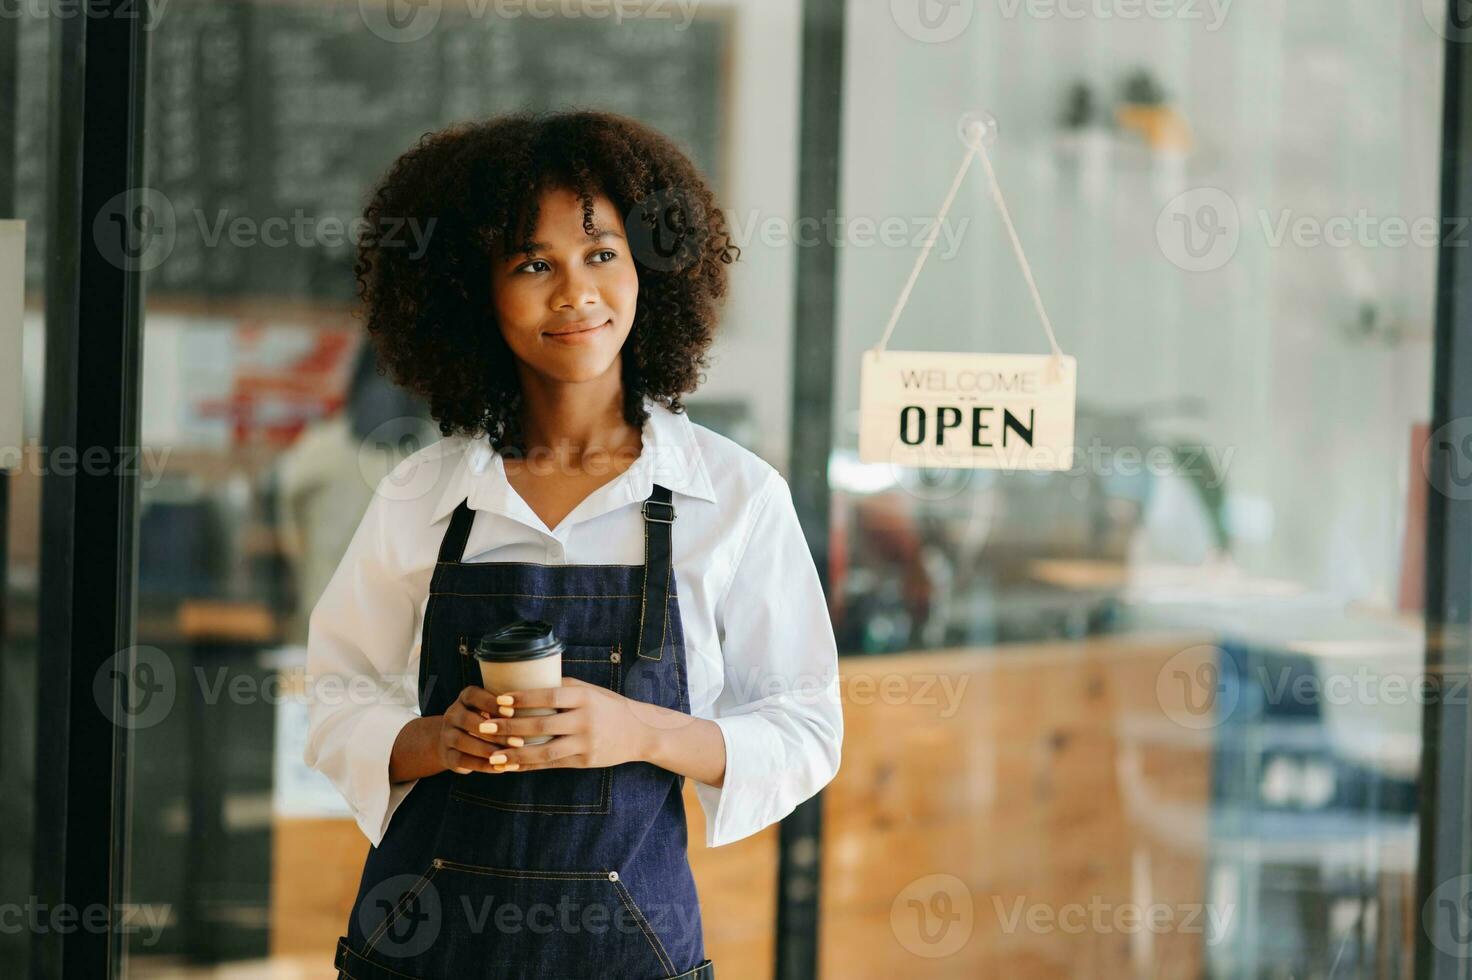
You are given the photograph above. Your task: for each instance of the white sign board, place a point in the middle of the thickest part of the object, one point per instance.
(12, 305)
(990, 411)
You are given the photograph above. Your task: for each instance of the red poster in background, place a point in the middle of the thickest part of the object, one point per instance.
(284, 378)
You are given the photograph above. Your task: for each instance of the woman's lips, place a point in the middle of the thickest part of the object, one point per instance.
(578, 336)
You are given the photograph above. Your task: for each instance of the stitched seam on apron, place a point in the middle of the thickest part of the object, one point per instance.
(423, 669)
(519, 873)
(668, 579)
(376, 966)
(645, 602)
(573, 808)
(408, 897)
(655, 944)
(692, 971)
(644, 592)
(682, 693)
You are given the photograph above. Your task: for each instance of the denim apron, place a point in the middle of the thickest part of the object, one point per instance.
(554, 873)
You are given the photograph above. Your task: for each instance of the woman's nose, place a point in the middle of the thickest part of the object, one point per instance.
(575, 289)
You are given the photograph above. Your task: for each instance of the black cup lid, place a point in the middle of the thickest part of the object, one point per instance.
(525, 639)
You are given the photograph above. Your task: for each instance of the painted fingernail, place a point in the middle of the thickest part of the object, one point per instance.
(463, 772)
(487, 727)
(504, 699)
(512, 766)
(506, 712)
(515, 740)
(498, 768)
(498, 757)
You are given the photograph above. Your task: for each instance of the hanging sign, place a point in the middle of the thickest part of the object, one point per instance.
(12, 305)
(997, 411)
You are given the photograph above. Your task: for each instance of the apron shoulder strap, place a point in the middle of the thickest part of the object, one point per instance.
(452, 545)
(654, 609)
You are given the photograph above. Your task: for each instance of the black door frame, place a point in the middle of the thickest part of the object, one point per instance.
(88, 506)
(814, 340)
(1445, 858)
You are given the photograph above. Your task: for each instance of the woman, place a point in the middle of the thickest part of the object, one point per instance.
(561, 310)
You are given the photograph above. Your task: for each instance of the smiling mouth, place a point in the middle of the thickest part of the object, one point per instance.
(579, 330)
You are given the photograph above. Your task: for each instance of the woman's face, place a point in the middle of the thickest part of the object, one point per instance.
(566, 307)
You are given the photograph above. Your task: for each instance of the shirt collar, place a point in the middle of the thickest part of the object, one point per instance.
(670, 456)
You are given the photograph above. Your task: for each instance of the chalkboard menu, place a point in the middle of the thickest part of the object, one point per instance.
(270, 122)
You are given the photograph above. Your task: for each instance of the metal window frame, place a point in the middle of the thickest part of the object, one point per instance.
(800, 835)
(1446, 760)
(88, 507)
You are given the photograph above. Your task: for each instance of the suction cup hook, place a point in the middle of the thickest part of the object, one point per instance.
(977, 128)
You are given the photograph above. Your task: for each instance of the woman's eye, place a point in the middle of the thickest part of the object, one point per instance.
(531, 266)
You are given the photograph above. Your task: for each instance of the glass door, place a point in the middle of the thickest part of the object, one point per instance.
(1184, 731)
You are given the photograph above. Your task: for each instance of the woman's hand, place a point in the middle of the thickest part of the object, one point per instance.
(593, 727)
(463, 744)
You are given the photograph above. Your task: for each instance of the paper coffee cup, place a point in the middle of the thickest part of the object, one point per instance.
(521, 656)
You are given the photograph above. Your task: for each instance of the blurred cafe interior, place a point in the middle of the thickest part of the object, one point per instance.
(1145, 717)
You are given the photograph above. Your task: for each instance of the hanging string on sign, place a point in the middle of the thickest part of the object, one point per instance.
(1002, 411)
(977, 129)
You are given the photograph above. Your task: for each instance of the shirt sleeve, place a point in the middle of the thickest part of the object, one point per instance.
(362, 673)
(779, 710)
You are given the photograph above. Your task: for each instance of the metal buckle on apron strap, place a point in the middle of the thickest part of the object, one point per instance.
(659, 520)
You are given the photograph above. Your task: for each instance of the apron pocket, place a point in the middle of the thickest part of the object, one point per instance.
(511, 922)
(353, 966)
(561, 790)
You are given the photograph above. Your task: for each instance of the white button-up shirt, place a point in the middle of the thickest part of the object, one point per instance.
(762, 661)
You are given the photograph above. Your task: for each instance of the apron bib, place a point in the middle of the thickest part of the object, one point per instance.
(557, 873)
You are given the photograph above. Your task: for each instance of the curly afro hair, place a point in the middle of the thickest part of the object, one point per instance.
(429, 309)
